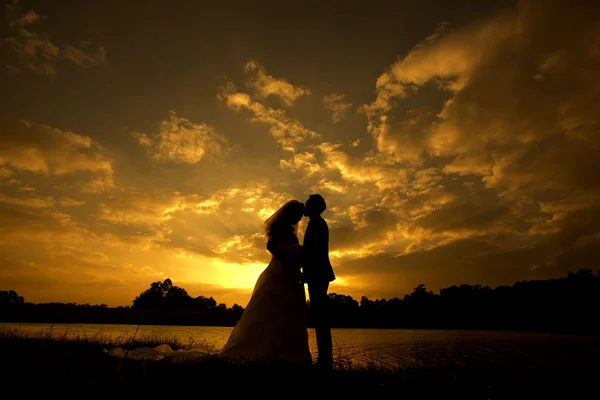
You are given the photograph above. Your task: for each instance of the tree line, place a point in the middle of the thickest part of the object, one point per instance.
(568, 304)
(164, 295)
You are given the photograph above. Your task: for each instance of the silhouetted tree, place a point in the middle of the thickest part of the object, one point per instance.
(202, 303)
(10, 298)
(178, 298)
(236, 309)
(419, 296)
(162, 295)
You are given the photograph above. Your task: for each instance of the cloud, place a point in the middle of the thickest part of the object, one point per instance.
(140, 208)
(33, 202)
(330, 186)
(219, 225)
(5, 173)
(516, 110)
(235, 217)
(406, 138)
(82, 59)
(376, 170)
(510, 135)
(68, 202)
(371, 228)
(266, 85)
(22, 275)
(450, 57)
(183, 142)
(244, 249)
(287, 132)
(39, 226)
(574, 244)
(301, 162)
(463, 219)
(334, 102)
(35, 50)
(17, 19)
(157, 207)
(42, 149)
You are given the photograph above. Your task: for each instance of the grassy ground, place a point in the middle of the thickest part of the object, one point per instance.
(78, 367)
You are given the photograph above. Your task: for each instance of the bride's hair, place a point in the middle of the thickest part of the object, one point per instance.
(285, 218)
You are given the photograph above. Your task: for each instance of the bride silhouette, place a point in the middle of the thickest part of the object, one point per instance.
(273, 325)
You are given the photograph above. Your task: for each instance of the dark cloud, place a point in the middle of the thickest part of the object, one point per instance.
(36, 51)
(377, 223)
(465, 217)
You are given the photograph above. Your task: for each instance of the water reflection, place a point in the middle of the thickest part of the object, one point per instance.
(391, 347)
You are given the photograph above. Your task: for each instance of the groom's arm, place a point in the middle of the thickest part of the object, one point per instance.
(321, 241)
(324, 242)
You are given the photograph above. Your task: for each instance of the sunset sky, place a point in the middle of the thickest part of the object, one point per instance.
(454, 142)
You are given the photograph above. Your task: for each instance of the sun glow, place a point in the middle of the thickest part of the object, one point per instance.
(233, 275)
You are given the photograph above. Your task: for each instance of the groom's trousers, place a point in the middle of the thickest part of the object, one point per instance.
(319, 304)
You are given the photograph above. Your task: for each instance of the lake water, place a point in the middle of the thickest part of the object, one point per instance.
(391, 347)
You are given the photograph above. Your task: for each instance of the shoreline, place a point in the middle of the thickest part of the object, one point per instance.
(565, 332)
(41, 364)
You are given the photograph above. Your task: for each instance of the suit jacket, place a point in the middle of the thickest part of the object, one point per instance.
(316, 266)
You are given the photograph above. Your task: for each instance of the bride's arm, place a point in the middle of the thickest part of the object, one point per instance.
(281, 249)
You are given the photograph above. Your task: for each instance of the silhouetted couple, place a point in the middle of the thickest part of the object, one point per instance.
(273, 325)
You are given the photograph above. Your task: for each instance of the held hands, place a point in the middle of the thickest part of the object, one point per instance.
(296, 250)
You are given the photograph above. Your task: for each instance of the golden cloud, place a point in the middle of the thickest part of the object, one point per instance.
(335, 103)
(39, 226)
(33, 202)
(301, 162)
(287, 132)
(244, 249)
(376, 170)
(370, 230)
(178, 221)
(266, 85)
(183, 142)
(139, 208)
(69, 202)
(27, 146)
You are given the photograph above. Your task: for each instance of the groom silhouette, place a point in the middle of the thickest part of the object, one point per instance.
(317, 273)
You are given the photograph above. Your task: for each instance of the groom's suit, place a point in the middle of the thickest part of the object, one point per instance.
(317, 273)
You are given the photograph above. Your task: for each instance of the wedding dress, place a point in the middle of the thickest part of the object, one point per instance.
(273, 325)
